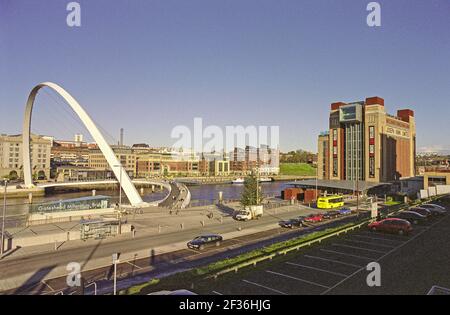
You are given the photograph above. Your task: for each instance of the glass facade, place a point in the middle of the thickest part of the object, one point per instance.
(354, 151)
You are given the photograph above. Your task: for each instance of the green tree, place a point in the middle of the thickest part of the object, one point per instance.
(249, 196)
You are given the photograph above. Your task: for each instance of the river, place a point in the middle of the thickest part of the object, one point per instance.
(200, 195)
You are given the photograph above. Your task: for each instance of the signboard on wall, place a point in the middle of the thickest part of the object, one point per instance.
(350, 113)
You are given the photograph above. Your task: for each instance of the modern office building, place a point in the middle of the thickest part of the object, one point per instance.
(364, 142)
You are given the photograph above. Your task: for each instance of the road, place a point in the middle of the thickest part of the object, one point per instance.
(43, 264)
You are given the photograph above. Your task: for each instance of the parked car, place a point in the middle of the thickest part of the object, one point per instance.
(291, 223)
(434, 205)
(312, 218)
(331, 214)
(345, 211)
(422, 211)
(391, 225)
(411, 217)
(434, 209)
(203, 241)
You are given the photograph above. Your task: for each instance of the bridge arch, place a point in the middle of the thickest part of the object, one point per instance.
(128, 187)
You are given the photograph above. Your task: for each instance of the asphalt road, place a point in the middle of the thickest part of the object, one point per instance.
(138, 270)
(409, 265)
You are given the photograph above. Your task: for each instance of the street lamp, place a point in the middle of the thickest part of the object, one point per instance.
(115, 259)
(3, 219)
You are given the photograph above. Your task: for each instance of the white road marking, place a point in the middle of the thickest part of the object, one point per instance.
(367, 243)
(359, 248)
(48, 285)
(295, 278)
(334, 261)
(345, 254)
(395, 236)
(318, 269)
(264, 287)
(377, 238)
(380, 258)
(218, 293)
(133, 265)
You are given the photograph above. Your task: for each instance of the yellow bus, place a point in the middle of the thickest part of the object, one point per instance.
(330, 202)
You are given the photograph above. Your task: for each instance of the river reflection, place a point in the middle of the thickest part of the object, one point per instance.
(201, 194)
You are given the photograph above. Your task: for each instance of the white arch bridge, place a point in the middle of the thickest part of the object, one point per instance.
(119, 172)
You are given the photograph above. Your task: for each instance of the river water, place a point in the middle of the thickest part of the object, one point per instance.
(200, 195)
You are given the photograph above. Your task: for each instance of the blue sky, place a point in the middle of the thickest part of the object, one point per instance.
(149, 65)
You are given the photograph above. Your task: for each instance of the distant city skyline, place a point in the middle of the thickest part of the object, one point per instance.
(148, 66)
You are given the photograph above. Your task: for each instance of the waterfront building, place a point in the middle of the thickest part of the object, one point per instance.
(364, 142)
(11, 158)
(124, 154)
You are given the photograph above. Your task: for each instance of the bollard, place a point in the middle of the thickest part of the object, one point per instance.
(30, 198)
(142, 191)
(153, 188)
(203, 223)
(182, 226)
(93, 192)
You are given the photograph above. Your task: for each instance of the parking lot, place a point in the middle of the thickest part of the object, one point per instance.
(409, 265)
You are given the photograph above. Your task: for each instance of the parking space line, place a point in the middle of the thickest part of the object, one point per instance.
(298, 279)
(360, 248)
(48, 285)
(385, 255)
(217, 293)
(263, 286)
(345, 254)
(334, 261)
(318, 269)
(367, 243)
(395, 236)
(377, 238)
(133, 265)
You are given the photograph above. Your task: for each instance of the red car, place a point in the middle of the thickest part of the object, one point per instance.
(314, 218)
(391, 225)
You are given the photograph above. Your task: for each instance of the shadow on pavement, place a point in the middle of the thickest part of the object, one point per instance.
(35, 279)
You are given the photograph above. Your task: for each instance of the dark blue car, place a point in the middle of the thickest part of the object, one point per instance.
(345, 211)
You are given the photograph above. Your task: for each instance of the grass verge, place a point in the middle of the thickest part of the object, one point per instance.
(297, 169)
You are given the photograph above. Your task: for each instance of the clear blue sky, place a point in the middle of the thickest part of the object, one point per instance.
(148, 65)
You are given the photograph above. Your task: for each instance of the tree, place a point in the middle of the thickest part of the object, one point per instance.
(249, 196)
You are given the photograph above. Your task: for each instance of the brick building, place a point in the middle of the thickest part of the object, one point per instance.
(366, 143)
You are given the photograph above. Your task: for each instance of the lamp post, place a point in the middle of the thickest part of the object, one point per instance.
(3, 219)
(115, 259)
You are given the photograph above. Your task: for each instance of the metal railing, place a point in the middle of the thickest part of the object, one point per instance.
(253, 262)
